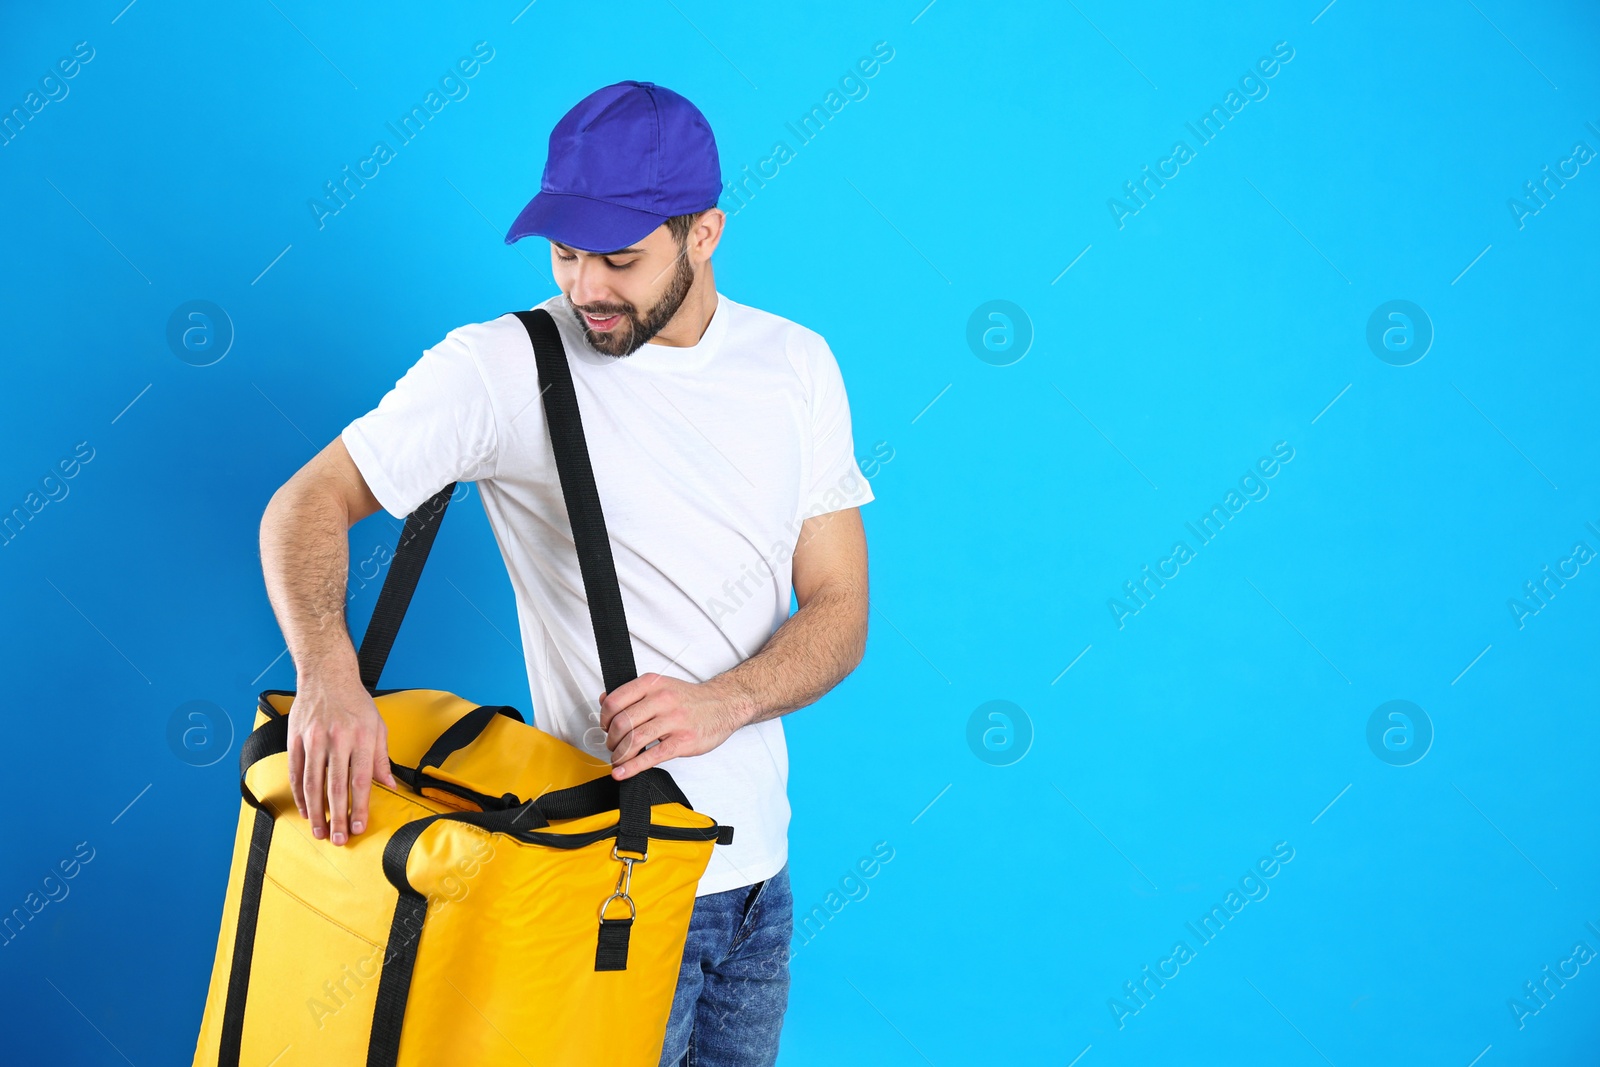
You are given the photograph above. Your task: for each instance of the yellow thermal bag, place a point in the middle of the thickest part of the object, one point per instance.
(511, 903)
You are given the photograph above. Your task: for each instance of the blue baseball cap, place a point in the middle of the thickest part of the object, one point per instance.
(624, 160)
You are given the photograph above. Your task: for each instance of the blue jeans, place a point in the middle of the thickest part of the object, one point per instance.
(733, 986)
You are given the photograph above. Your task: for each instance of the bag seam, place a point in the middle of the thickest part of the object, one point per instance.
(297, 898)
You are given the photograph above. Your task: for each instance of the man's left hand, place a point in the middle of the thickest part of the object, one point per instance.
(687, 718)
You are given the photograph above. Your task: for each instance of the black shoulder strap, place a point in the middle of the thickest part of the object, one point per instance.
(583, 500)
(422, 526)
(593, 544)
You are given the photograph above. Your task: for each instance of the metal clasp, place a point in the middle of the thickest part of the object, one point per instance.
(624, 883)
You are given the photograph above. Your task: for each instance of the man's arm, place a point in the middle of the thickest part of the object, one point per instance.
(337, 739)
(804, 658)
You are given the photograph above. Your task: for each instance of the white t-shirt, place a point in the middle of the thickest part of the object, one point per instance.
(707, 459)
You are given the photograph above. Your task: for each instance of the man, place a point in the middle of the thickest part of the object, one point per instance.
(720, 441)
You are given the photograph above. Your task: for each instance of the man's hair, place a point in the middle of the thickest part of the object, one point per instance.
(680, 225)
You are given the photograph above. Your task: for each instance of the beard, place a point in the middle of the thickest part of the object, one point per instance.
(628, 335)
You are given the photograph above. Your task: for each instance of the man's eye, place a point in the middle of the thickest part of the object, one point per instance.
(621, 266)
(567, 259)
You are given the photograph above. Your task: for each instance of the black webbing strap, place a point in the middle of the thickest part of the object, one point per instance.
(583, 500)
(600, 588)
(611, 949)
(633, 835)
(606, 794)
(267, 739)
(394, 984)
(244, 940)
(631, 798)
(410, 553)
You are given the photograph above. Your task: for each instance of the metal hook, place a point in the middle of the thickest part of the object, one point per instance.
(624, 883)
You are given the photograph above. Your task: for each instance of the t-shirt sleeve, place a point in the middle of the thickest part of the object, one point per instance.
(436, 426)
(836, 479)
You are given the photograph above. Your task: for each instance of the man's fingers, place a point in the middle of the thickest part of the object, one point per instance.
(380, 761)
(638, 741)
(617, 730)
(631, 719)
(360, 788)
(635, 740)
(339, 789)
(297, 758)
(624, 724)
(667, 749)
(623, 696)
(608, 710)
(315, 776)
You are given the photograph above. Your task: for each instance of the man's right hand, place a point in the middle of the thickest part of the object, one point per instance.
(338, 745)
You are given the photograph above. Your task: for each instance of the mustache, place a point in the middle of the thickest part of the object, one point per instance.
(602, 309)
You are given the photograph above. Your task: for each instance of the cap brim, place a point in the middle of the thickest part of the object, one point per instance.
(582, 223)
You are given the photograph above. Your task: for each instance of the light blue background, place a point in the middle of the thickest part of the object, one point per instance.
(1224, 317)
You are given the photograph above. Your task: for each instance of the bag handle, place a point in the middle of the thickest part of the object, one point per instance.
(593, 544)
(458, 735)
(631, 798)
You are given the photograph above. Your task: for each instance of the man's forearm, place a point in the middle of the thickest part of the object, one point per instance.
(804, 658)
(305, 553)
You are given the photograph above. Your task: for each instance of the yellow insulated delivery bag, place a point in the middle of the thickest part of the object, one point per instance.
(511, 903)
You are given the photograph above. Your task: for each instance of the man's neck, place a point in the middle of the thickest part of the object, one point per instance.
(689, 324)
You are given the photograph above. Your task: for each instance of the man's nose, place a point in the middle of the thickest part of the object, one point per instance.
(588, 287)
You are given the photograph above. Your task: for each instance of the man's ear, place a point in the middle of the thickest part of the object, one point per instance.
(706, 234)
